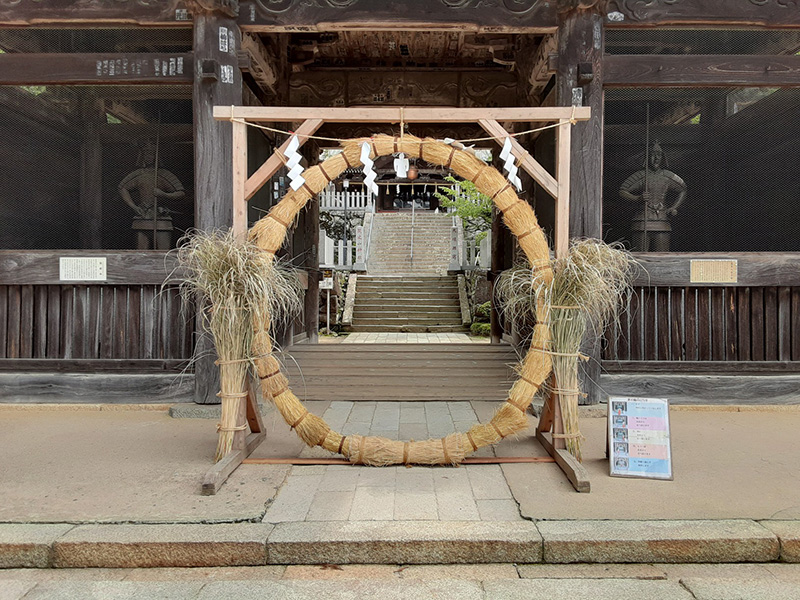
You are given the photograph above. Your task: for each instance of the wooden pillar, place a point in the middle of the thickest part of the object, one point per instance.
(580, 82)
(498, 264)
(311, 249)
(90, 205)
(217, 81)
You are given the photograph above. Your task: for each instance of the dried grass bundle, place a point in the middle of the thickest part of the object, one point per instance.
(584, 293)
(241, 291)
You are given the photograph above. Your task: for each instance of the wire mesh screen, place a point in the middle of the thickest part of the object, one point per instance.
(101, 166)
(95, 166)
(722, 169)
(701, 41)
(96, 40)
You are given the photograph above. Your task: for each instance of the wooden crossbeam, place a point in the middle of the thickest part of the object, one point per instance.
(531, 165)
(274, 162)
(410, 114)
(96, 68)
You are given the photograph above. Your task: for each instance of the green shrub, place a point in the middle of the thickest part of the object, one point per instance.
(481, 329)
(482, 311)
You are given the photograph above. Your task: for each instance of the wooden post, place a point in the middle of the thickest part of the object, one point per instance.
(217, 81)
(311, 246)
(563, 155)
(239, 178)
(497, 265)
(580, 83)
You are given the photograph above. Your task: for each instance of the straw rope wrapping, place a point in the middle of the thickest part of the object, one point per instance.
(269, 234)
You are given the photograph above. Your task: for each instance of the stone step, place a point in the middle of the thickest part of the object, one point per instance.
(395, 542)
(393, 319)
(443, 307)
(401, 296)
(405, 287)
(407, 328)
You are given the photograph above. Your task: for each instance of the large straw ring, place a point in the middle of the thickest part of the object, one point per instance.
(269, 234)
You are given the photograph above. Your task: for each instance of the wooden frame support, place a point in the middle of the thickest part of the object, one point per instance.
(489, 119)
(550, 423)
(243, 444)
(276, 161)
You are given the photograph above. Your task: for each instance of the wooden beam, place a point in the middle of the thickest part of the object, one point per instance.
(91, 69)
(701, 70)
(536, 70)
(527, 162)
(411, 114)
(576, 473)
(93, 365)
(262, 63)
(655, 13)
(753, 268)
(528, 16)
(274, 162)
(73, 12)
(123, 267)
(686, 367)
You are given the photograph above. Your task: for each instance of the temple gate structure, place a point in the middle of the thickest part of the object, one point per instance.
(689, 159)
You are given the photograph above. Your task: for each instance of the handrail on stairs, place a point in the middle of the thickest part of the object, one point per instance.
(413, 216)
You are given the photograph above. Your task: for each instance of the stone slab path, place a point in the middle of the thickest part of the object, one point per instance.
(466, 582)
(346, 493)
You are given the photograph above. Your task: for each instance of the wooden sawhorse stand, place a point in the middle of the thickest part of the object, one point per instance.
(243, 443)
(550, 424)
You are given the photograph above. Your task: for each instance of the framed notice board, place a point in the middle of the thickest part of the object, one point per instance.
(638, 438)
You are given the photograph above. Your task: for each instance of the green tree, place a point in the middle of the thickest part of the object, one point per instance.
(474, 208)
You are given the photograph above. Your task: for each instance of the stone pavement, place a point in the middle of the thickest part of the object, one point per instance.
(113, 488)
(341, 493)
(388, 582)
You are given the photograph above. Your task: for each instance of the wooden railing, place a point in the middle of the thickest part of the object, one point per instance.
(669, 323)
(126, 321)
(663, 323)
(105, 322)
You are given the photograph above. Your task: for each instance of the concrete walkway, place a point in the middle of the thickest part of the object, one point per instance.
(120, 488)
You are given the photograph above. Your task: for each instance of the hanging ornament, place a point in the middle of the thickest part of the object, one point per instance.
(369, 173)
(293, 158)
(507, 155)
(401, 166)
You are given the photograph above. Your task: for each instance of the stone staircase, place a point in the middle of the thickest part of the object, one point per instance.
(400, 372)
(404, 295)
(390, 248)
(411, 304)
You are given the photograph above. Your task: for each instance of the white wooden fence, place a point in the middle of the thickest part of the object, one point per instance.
(350, 200)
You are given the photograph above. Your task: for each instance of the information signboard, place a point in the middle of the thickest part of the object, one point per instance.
(327, 280)
(639, 440)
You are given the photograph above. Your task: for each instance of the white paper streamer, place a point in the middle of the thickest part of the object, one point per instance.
(401, 166)
(507, 155)
(369, 172)
(293, 158)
